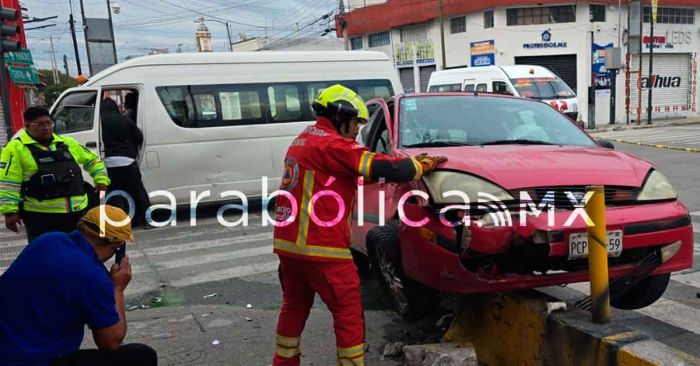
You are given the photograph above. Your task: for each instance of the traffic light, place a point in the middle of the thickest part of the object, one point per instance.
(7, 30)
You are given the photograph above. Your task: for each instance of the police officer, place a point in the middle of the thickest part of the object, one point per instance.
(312, 233)
(41, 182)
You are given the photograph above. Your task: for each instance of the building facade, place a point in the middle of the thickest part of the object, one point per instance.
(570, 38)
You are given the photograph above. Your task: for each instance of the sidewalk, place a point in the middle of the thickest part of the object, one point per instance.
(643, 125)
(233, 335)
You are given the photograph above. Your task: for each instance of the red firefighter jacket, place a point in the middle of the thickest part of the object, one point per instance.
(319, 184)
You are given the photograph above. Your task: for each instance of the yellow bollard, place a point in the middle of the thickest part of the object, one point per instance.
(598, 255)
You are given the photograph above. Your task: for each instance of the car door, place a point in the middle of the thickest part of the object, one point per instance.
(373, 199)
(76, 114)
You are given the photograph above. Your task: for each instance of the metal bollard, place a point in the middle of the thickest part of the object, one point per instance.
(598, 255)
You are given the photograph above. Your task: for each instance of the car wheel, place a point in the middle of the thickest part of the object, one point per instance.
(642, 294)
(408, 298)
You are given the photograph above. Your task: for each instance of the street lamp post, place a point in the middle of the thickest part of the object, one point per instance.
(228, 31)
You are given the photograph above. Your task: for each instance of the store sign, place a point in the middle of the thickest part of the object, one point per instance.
(601, 76)
(658, 82)
(669, 39)
(404, 54)
(546, 42)
(420, 52)
(425, 52)
(483, 53)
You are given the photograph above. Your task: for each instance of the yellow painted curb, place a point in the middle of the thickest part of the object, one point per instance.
(658, 146)
(516, 329)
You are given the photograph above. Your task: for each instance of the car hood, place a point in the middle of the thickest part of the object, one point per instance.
(525, 166)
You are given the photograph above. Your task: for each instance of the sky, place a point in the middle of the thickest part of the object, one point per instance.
(144, 24)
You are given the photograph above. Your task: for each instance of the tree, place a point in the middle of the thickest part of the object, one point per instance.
(53, 91)
(62, 78)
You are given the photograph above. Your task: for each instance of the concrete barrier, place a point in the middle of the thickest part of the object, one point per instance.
(517, 329)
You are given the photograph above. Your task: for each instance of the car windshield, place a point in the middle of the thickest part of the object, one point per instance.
(542, 88)
(449, 120)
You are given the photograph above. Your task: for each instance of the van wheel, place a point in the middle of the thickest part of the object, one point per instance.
(642, 294)
(408, 297)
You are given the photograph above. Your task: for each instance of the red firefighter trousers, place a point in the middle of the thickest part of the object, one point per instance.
(339, 287)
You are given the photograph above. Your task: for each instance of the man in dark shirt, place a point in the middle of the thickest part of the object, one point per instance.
(57, 285)
(122, 140)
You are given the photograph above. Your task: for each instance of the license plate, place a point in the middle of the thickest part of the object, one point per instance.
(578, 244)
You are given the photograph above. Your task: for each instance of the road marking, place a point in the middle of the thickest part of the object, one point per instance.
(178, 248)
(696, 227)
(673, 313)
(228, 273)
(207, 259)
(696, 213)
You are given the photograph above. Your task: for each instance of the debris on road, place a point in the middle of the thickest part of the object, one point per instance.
(249, 306)
(157, 300)
(393, 349)
(131, 308)
(556, 306)
(211, 295)
(248, 319)
(215, 342)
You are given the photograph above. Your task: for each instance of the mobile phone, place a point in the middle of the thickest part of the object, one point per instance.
(119, 254)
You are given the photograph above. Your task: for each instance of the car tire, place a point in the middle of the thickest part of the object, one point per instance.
(409, 298)
(642, 294)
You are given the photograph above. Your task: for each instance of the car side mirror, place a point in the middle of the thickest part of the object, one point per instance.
(607, 144)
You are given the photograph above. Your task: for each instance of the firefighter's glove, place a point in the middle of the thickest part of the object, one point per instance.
(428, 163)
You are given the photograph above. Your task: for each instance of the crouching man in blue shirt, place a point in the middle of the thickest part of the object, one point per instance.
(57, 285)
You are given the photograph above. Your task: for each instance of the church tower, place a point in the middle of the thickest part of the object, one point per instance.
(203, 37)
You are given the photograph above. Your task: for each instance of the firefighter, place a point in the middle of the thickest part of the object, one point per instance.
(313, 213)
(41, 182)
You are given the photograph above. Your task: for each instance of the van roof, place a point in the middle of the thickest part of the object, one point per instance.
(513, 72)
(240, 57)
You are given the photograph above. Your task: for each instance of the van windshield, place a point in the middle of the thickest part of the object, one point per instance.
(542, 88)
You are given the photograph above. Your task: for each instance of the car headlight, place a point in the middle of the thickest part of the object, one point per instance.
(657, 187)
(441, 183)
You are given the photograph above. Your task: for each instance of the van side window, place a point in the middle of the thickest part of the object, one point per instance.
(205, 105)
(481, 88)
(469, 88)
(445, 88)
(75, 112)
(240, 107)
(285, 103)
(200, 106)
(500, 87)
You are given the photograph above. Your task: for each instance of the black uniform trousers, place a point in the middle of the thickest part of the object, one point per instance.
(128, 179)
(37, 223)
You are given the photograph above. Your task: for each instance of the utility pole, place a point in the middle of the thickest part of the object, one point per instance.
(54, 64)
(344, 24)
(442, 38)
(75, 41)
(111, 31)
(652, 22)
(65, 64)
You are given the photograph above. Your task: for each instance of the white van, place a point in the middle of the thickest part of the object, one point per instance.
(526, 81)
(219, 121)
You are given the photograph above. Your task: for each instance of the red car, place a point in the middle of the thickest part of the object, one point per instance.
(506, 211)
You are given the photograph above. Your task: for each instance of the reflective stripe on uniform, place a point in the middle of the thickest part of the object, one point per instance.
(358, 361)
(287, 342)
(305, 210)
(57, 205)
(312, 250)
(351, 352)
(286, 352)
(364, 168)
